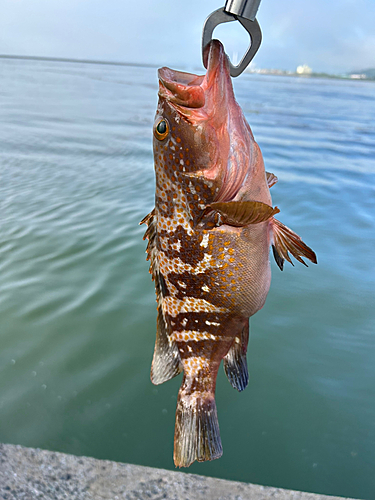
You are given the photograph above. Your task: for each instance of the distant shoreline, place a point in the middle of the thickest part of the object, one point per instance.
(310, 75)
(272, 72)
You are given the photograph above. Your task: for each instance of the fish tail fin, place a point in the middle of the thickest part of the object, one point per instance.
(197, 435)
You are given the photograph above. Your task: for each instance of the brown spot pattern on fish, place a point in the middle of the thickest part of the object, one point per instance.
(208, 243)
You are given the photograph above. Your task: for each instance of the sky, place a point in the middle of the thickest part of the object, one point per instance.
(332, 36)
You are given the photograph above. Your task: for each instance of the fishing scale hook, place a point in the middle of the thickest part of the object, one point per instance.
(243, 11)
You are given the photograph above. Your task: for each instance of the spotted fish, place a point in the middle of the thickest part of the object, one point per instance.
(209, 237)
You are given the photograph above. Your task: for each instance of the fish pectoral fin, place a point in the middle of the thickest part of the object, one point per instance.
(243, 213)
(285, 240)
(271, 179)
(166, 362)
(235, 363)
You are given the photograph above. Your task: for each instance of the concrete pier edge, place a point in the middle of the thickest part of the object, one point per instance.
(30, 474)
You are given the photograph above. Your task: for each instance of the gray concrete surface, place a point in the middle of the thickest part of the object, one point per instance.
(31, 474)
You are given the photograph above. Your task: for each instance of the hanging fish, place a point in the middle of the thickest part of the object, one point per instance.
(209, 237)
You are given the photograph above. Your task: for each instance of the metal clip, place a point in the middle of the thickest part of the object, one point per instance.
(243, 11)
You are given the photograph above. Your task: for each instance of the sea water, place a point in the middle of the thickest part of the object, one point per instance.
(77, 305)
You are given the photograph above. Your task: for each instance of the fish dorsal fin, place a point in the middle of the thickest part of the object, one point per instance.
(150, 235)
(148, 217)
(271, 179)
(235, 363)
(166, 362)
(285, 240)
(243, 213)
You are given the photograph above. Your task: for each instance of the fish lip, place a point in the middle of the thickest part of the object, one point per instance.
(181, 88)
(216, 61)
(190, 90)
(169, 76)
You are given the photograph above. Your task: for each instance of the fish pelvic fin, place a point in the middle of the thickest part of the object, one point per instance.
(271, 179)
(197, 435)
(285, 240)
(235, 363)
(243, 213)
(279, 260)
(166, 362)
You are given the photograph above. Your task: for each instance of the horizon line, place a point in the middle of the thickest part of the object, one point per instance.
(72, 60)
(151, 65)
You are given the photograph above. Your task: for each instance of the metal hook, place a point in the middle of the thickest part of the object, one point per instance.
(231, 12)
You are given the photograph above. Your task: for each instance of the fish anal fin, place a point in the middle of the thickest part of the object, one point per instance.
(235, 363)
(243, 213)
(285, 240)
(271, 179)
(166, 362)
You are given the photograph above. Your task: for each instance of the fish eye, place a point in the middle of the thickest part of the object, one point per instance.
(161, 129)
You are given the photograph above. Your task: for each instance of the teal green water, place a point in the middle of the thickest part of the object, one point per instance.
(77, 306)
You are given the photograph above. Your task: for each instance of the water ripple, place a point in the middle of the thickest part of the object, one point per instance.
(77, 306)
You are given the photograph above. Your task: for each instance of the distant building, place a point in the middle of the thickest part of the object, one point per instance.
(358, 76)
(303, 70)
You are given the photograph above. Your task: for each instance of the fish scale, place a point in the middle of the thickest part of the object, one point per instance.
(209, 239)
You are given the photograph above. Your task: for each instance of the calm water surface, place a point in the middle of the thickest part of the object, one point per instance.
(77, 306)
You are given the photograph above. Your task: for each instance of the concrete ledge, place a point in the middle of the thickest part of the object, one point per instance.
(30, 474)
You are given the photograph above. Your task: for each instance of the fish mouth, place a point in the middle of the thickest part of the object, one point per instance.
(196, 91)
(183, 89)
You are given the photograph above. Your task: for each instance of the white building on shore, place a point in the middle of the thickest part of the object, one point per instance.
(303, 70)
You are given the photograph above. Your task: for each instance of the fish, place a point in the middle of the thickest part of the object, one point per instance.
(209, 239)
